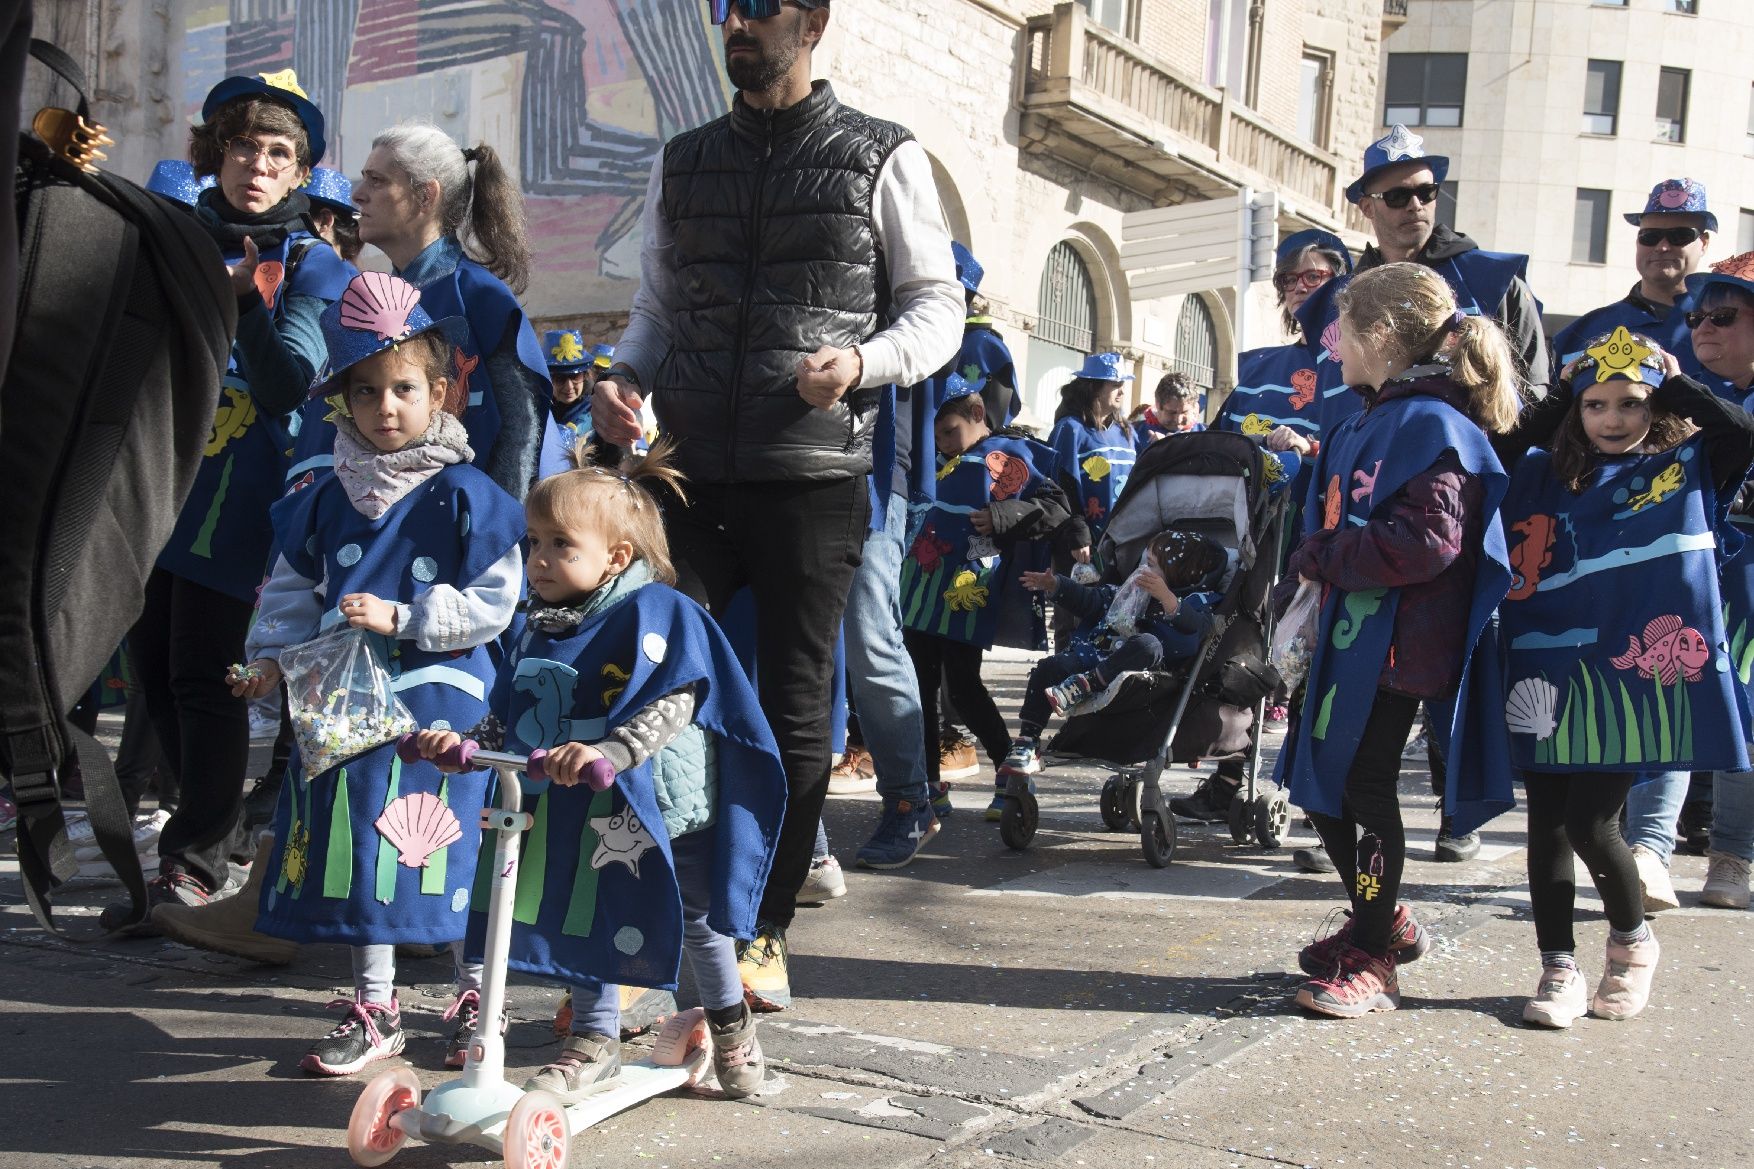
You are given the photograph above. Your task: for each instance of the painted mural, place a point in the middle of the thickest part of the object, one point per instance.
(576, 95)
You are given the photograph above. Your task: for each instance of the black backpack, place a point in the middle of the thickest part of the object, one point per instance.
(125, 322)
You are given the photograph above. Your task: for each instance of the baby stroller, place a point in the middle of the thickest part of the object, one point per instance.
(1205, 707)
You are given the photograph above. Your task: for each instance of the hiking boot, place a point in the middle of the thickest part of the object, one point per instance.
(737, 1059)
(761, 964)
(1625, 986)
(1068, 694)
(1726, 882)
(823, 883)
(941, 805)
(901, 833)
(1209, 803)
(1313, 860)
(1653, 881)
(957, 758)
(588, 1064)
(228, 925)
(854, 775)
(1359, 984)
(1408, 942)
(173, 888)
(369, 1032)
(1452, 849)
(1560, 1000)
(1021, 758)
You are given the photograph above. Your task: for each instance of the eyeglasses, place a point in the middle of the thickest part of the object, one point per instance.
(1309, 278)
(1720, 318)
(1678, 237)
(752, 9)
(1399, 197)
(245, 151)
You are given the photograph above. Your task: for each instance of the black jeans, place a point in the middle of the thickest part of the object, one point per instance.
(959, 664)
(1370, 865)
(1579, 812)
(796, 545)
(186, 639)
(1138, 652)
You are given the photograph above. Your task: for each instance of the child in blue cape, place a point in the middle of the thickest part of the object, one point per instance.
(992, 491)
(1620, 665)
(616, 884)
(1159, 616)
(408, 541)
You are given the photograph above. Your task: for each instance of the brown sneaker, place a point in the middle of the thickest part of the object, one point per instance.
(854, 775)
(957, 758)
(228, 925)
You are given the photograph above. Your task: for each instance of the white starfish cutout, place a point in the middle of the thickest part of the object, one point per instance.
(621, 839)
(1401, 144)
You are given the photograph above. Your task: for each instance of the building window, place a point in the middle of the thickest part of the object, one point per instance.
(1609, 3)
(1110, 14)
(1589, 230)
(1446, 205)
(1672, 85)
(1232, 53)
(1068, 301)
(1745, 231)
(1196, 346)
(1314, 89)
(1682, 7)
(1425, 89)
(1601, 97)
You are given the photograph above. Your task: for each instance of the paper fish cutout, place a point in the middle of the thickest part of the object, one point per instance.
(1669, 650)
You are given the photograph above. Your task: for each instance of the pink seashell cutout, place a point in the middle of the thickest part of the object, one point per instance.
(380, 302)
(418, 825)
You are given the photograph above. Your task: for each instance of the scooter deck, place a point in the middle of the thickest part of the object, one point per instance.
(637, 1083)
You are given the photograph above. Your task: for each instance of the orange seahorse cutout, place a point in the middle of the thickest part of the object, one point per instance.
(465, 366)
(1303, 386)
(1007, 472)
(1528, 558)
(1335, 502)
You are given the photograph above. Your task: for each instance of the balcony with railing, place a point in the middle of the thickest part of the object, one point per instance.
(1394, 15)
(1099, 101)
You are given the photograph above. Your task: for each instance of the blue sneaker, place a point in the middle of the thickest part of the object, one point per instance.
(901, 833)
(941, 805)
(996, 809)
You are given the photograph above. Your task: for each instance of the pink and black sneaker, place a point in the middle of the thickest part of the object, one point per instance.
(1360, 983)
(1408, 942)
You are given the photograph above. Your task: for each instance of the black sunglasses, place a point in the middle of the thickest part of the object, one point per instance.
(1678, 237)
(752, 9)
(1722, 318)
(1399, 197)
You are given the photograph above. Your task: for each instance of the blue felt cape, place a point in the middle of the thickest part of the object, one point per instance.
(1614, 624)
(1099, 462)
(983, 356)
(1363, 463)
(597, 897)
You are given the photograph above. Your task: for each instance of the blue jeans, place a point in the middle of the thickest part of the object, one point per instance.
(712, 956)
(1732, 813)
(879, 672)
(1652, 809)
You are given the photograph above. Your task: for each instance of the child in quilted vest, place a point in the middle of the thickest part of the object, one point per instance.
(654, 834)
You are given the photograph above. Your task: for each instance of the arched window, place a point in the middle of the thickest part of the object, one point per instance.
(1196, 345)
(1065, 330)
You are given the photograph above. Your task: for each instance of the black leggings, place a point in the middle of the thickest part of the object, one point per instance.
(1372, 804)
(1579, 812)
(959, 665)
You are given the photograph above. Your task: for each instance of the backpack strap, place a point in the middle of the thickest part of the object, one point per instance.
(68, 69)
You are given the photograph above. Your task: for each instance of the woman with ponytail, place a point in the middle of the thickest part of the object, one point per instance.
(452, 223)
(1404, 539)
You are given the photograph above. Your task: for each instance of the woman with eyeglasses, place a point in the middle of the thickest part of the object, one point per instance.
(259, 136)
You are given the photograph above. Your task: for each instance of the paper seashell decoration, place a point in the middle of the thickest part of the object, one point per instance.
(379, 302)
(1529, 709)
(418, 825)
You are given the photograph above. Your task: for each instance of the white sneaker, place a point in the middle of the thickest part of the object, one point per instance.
(1726, 882)
(1653, 878)
(1559, 1001)
(147, 826)
(79, 829)
(825, 882)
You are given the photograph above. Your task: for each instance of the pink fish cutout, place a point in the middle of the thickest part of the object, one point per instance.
(379, 302)
(1366, 482)
(418, 825)
(270, 274)
(1670, 650)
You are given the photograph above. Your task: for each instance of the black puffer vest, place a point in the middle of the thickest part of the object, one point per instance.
(775, 256)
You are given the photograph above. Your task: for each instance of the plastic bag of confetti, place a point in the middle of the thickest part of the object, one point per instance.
(340, 697)
(1294, 637)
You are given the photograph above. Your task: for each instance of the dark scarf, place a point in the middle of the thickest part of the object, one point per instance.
(228, 226)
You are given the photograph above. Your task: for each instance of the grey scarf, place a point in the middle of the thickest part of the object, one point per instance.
(374, 480)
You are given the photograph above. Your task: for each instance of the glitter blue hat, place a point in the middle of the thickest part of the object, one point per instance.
(1104, 367)
(1399, 145)
(282, 87)
(956, 386)
(330, 188)
(602, 356)
(566, 350)
(175, 179)
(377, 312)
(968, 269)
(1675, 197)
(1315, 237)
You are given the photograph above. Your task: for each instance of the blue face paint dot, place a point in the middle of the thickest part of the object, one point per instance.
(348, 556)
(425, 569)
(628, 940)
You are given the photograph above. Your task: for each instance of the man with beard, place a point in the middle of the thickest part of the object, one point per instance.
(795, 267)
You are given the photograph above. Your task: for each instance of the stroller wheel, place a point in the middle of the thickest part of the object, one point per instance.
(1156, 838)
(1113, 806)
(1272, 818)
(1018, 822)
(1242, 819)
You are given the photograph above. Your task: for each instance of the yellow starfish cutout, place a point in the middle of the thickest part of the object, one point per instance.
(1619, 355)
(286, 79)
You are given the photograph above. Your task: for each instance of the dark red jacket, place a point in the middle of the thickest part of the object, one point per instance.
(1424, 541)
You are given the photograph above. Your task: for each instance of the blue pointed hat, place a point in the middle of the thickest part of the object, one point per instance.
(956, 386)
(1675, 197)
(566, 351)
(332, 189)
(1104, 367)
(175, 179)
(377, 311)
(602, 356)
(1399, 145)
(282, 87)
(968, 269)
(1314, 237)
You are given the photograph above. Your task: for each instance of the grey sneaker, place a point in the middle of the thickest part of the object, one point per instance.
(737, 1058)
(588, 1064)
(823, 884)
(1726, 882)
